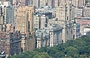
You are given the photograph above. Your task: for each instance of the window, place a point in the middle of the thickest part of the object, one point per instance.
(67, 17)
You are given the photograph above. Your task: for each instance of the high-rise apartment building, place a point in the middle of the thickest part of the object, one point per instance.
(10, 42)
(24, 24)
(63, 13)
(40, 21)
(44, 21)
(36, 22)
(6, 14)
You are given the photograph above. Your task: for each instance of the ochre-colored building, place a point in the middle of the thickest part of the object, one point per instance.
(24, 24)
(63, 14)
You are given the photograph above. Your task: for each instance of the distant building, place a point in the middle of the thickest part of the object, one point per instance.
(87, 30)
(83, 21)
(24, 24)
(63, 15)
(49, 37)
(76, 12)
(86, 12)
(76, 31)
(81, 3)
(55, 34)
(42, 38)
(6, 14)
(44, 21)
(10, 42)
(36, 22)
(41, 20)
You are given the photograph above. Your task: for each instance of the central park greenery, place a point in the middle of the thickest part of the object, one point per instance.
(79, 48)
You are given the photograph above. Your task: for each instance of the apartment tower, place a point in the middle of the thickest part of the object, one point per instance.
(63, 13)
(24, 24)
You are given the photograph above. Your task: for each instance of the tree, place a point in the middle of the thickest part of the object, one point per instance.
(71, 51)
(42, 55)
(79, 48)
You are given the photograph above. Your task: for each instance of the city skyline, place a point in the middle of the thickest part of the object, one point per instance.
(42, 23)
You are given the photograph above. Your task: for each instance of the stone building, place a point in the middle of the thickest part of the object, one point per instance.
(49, 36)
(42, 38)
(6, 15)
(10, 42)
(76, 31)
(24, 24)
(55, 34)
(84, 22)
(41, 20)
(36, 22)
(63, 15)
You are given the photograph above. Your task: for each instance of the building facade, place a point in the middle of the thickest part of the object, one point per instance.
(36, 22)
(78, 3)
(6, 15)
(76, 31)
(10, 42)
(84, 22)
(63, 15)
(24, 24)
(86, 12)
(49, 36)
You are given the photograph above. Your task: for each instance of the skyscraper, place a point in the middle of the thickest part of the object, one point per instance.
(24, 24)
(63, 13)
(6, 14)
